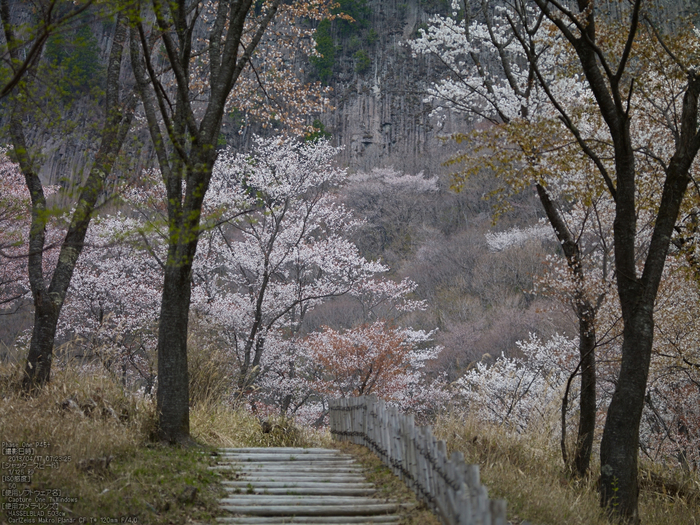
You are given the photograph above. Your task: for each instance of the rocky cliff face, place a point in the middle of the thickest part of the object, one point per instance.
(380, 116)
(63, 127)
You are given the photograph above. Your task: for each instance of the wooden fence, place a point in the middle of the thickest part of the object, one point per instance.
(449, 487)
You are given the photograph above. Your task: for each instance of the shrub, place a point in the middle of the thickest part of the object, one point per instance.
(326, 48)
(362, 61)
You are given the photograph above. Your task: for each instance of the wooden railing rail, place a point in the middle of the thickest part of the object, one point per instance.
(450, 487)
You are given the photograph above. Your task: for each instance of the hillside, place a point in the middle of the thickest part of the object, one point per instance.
(478, 298)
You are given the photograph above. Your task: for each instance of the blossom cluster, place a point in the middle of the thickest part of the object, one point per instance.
(273, 246)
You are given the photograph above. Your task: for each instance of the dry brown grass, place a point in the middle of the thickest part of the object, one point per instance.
(210, 378)
(79, 415)
(527, 471)
(218, 425)
(115, 469)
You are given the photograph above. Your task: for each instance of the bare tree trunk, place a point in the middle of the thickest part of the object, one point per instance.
(186, 167)
(48, 301)
(587, 397)
(619, 448)
(619, 490)
(172, 395)
(37, 369)
(586, 314)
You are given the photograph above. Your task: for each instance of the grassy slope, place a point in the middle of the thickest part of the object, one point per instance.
(116, 471)
(388, 485)
(527, 471)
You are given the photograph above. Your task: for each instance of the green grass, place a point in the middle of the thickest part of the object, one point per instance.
(388, 485)
(154, 484)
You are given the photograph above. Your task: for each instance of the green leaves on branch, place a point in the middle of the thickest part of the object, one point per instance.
(523, 153)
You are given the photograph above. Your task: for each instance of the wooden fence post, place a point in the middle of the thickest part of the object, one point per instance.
(447, 485)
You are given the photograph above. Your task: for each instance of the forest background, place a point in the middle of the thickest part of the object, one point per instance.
(478, 291)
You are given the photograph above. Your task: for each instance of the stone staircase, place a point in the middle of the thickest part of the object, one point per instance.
(300, 485)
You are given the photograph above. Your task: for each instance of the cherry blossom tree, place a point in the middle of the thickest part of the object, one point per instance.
(522, 143)
(273, 246)
(637, 130)
(295, 376)
(15, 221)
(372, 359)
(185, 129)
(521, 393)
(299, 375)
(112, 307)
(613, 82)
(263, 272)
(49, 291)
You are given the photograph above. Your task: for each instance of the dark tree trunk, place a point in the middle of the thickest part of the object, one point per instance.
(173, 381)
(619, 490)
(587, 397)
(619, 448)
(37, 369)
(48, 300)
(586, 314)
(187, 167)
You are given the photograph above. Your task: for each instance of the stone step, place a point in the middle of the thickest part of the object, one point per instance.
(301, 476)
(297, 484)
(286, 457)
(281, 450)
(291, 485)
(285, 499)
(313, 510)
(300, 461)
(316, 491)
(301, 470)
(310, 520)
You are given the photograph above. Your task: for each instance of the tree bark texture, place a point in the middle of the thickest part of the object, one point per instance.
(619, 489)
(586, 315)
(185, 149)
(48, 300)
(587, 397)
(173, 379)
